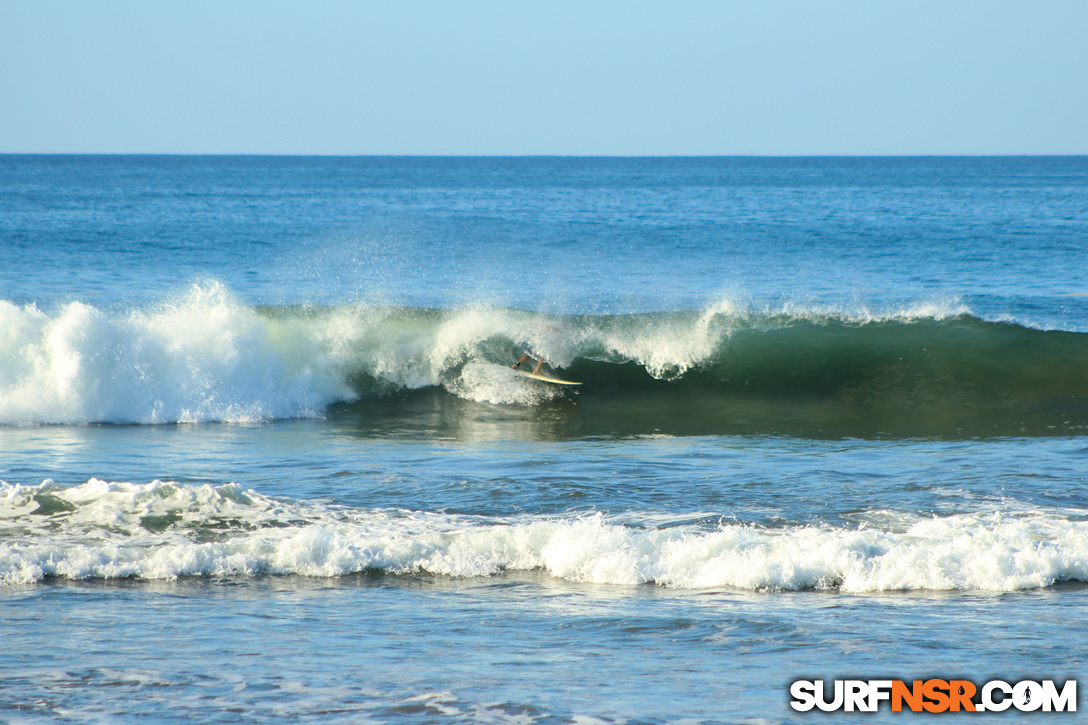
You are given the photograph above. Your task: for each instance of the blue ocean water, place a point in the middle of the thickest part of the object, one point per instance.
(264, 458)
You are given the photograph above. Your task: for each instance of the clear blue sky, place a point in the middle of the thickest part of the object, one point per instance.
(609, 77)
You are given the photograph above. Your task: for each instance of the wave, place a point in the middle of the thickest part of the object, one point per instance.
(162, 530)
(206, 357)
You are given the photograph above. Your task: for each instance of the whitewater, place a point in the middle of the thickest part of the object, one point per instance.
(163, 530)
(263, 457)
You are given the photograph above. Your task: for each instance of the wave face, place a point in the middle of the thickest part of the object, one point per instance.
(724, 370)
(161, 530)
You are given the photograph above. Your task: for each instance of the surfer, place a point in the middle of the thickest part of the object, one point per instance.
(545, 335)
(530, 354)
(527, 356)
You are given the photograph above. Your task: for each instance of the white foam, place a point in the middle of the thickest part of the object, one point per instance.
(498, 384)
(164, 531)
(205, 357)
(666, 346)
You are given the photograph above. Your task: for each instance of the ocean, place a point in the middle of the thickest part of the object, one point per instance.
(264, 459)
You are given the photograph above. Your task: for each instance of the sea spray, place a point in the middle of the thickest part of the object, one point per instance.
(203, 357)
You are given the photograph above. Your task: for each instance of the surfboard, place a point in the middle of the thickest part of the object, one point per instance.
(545, 378)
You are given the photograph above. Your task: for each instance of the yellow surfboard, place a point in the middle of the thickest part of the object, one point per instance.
(545, 378)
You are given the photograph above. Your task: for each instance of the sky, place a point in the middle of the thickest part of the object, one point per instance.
(511, 77)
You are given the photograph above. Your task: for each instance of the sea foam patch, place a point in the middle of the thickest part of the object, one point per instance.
(161, 530)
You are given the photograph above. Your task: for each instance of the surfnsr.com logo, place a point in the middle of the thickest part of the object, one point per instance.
(934, 695)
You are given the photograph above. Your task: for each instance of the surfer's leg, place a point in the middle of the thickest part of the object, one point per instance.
(519, 362)
(539, 364)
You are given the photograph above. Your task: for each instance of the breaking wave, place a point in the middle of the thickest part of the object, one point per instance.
(162, 530)
(207, 357)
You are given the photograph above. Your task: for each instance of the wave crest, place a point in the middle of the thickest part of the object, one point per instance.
(928, 370)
